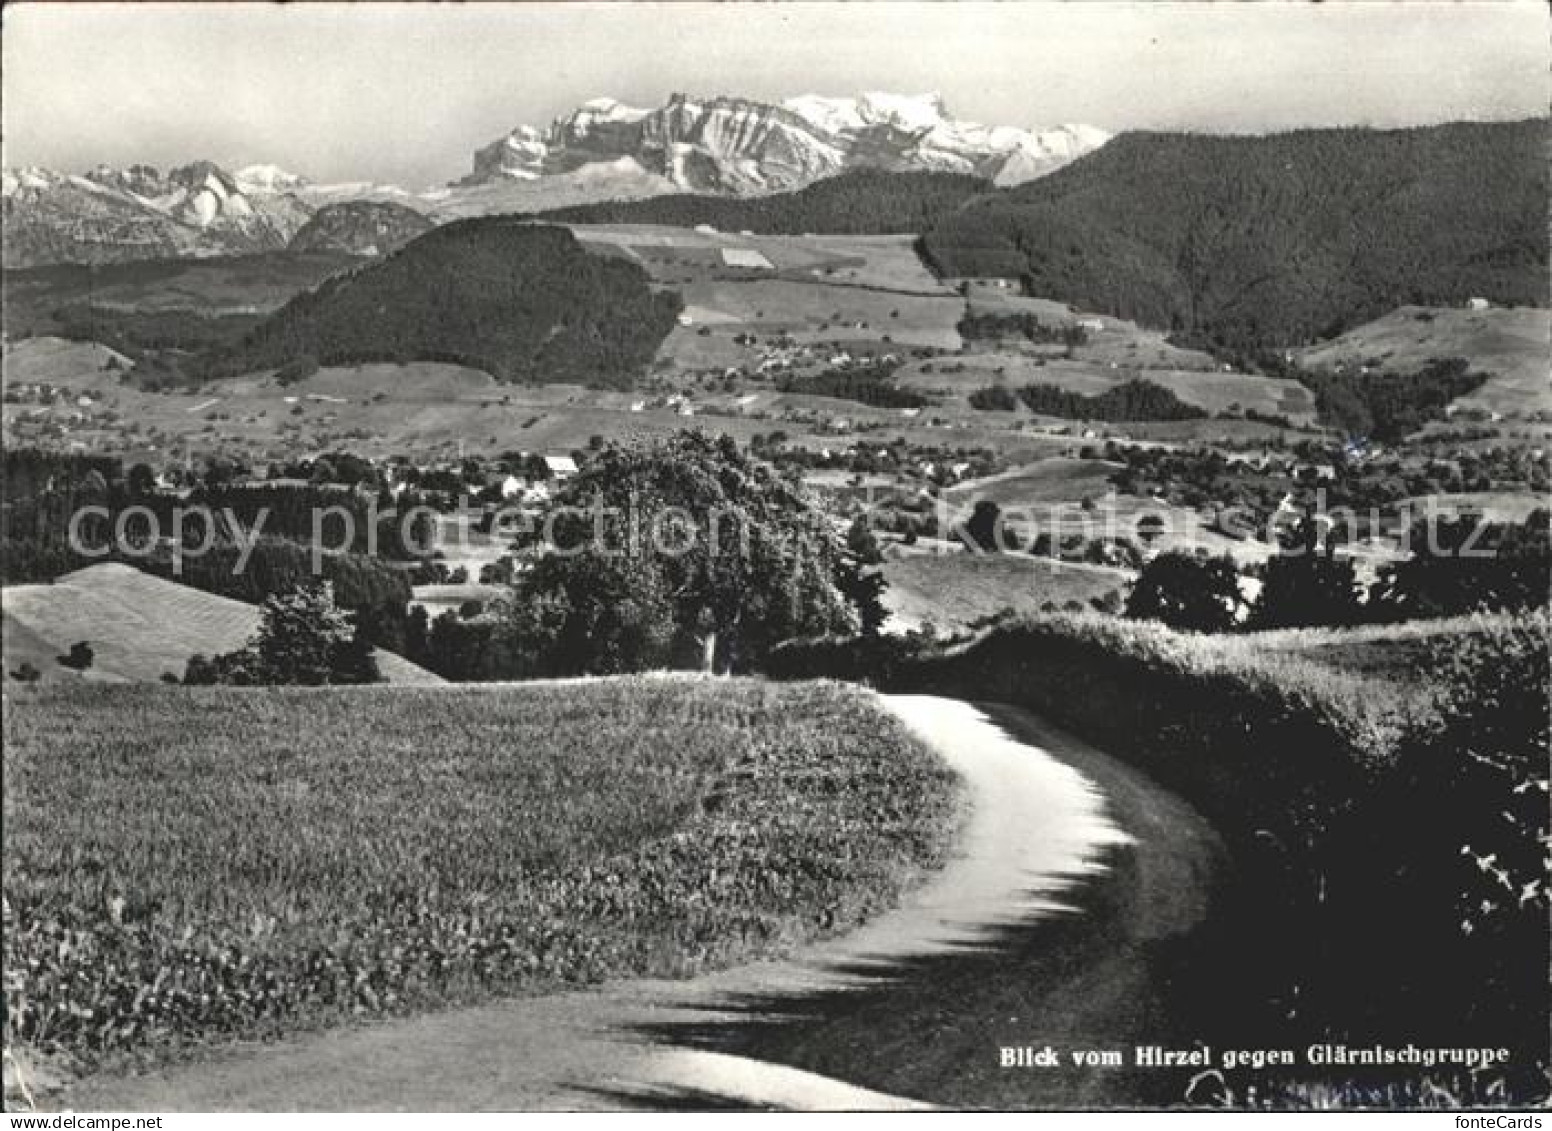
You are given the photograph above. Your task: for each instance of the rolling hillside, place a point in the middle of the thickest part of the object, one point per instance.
(1510, 346)
(955, 590)
(1250, 242)
(525, 303)
(138, 626)
(864, 202)
(360, 227)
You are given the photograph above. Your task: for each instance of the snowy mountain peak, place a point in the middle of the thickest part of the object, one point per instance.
(268, 178)
(738, 145)
(109, 214)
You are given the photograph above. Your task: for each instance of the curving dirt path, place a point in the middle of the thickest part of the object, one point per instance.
(1036, 829)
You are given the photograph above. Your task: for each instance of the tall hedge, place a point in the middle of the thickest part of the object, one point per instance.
(1371, 826)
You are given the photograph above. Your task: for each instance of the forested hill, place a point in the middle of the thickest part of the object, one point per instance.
(863, 202)
(1250, 242)
(520, 301)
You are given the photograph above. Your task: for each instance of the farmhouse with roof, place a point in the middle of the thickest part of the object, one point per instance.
(561, 467)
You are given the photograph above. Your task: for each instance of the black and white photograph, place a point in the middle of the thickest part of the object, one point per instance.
(738, 557)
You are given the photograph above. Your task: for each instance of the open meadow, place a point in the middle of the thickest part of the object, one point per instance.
(681, 255)
(190, 866)
(953, 591)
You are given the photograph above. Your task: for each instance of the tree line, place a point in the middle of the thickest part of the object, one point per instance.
(1137, 399)
(1457, 566)
(868, 384)
(858, 202)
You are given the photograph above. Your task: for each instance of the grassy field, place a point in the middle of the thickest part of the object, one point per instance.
(1510, 344)
(424, 409)
(138, 626)
(682, 255)
(834, 289)
(1059, 479)
(193, 865)
(1398, 652)
(954, 590)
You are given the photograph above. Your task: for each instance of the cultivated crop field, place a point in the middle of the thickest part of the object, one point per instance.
(822, 311)
(185, 866)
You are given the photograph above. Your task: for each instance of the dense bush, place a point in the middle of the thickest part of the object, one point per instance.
(303, 639)
(868, 384)
(1465, 565)
(994, 398)
(1271, 241)
(79, 658)
(754, 561)
(1307, 588)
(1446, 866)
(991, 327)
(1187, 592)
(44, 490)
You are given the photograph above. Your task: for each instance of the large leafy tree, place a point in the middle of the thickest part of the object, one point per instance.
(303, 638)
(1305, 589)
(1186, 591)
(1308, 584)
(686, 552)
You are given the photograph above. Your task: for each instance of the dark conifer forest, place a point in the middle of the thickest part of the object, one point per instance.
(523, 302)
(862, 202)
(1239, 242)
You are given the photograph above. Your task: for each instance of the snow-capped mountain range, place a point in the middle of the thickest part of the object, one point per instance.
(735, 145)
(602, 150)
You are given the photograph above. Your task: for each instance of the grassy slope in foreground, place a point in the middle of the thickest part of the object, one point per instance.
(280, 858)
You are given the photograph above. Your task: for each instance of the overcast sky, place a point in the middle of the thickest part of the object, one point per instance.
(406, 92)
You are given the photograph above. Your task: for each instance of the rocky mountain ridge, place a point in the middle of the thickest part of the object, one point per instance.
(602, 151)
(741, 146)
